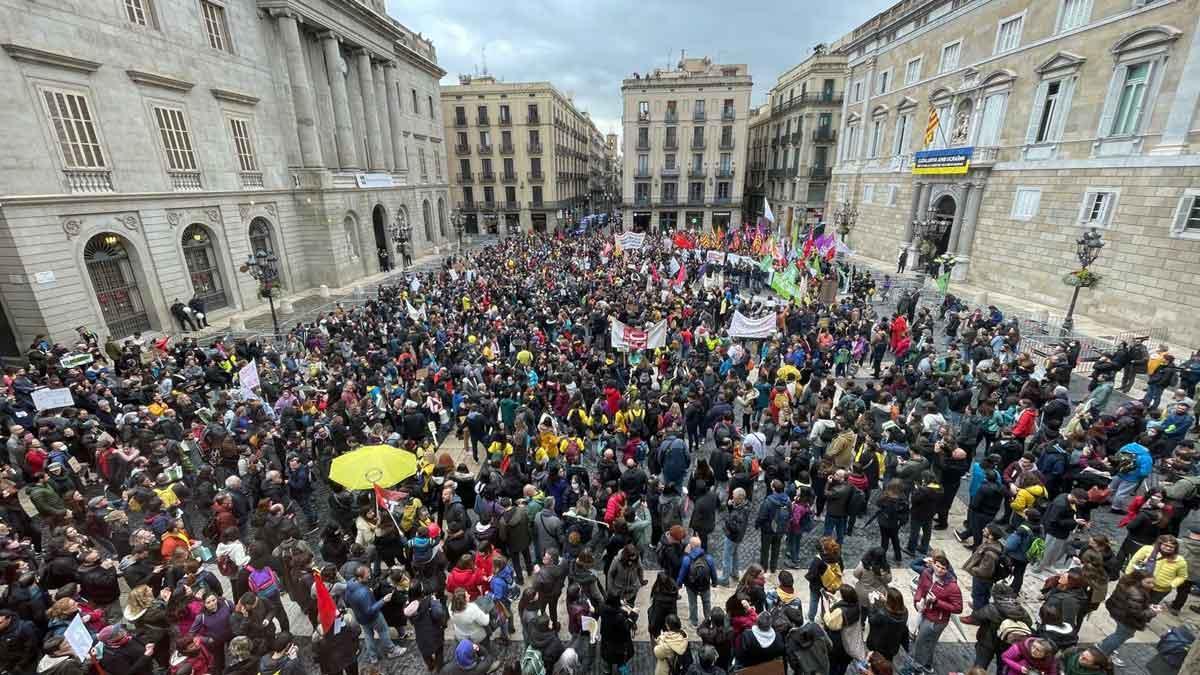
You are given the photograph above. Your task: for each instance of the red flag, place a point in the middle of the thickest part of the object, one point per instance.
(654, 273)
(385, 498)
(681, 276)
(830, 253)
(808, 246)
(682, 240)
(326, 609)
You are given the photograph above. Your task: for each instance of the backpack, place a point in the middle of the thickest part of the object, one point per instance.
(831, 578)
(263, 581)
(1037, 548)
(801, 519)
(1002, 569)
(531, 662)
(226, 566)
(682, 663)
(1173, 646)
(857, 505)
(780, 520)
(699, 576)
(1011, 630)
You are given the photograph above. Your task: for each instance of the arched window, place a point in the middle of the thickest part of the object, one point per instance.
(442, 216)
(202, 266)
(115, 284)
(426, 211)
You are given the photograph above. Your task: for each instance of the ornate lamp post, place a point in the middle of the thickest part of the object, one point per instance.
(845, 218)
(263, 267)
(459, 221)
(1087, 250)
(925, 230)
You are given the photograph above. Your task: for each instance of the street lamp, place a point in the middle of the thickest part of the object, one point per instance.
(263, 267)
(845, 218)
(459, 221)
(926, 229)
(1087, 250)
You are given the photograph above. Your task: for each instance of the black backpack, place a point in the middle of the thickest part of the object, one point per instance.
(857, 505)
(699, 576)
(682, 663)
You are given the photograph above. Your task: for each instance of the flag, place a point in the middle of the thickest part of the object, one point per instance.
(326, 608)
(654, 274)
(767, 211)
(386, 499)
(680, 277)
(808, 246)
(931, 126)
(831, 253)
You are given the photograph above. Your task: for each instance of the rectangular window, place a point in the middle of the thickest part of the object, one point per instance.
(510, 194)
(1074, 13)
(1187, 216)
(489, 194)
(176, 142)
(74, 129)
(416, 110)
(669, 161)
(485, 139)
(643, 164)
(950, 54)
(214, 25)
(535, 138)
(641, 192)
(885, 78)
(537, 195)
(505, 115)
(1132, 100)
(726, 163)
(992, 119)
(139, 12)
(868, 194)
(912, 71)
(1098, 207)
(1049, 113)
(1008, 36)
(697, 163)
(697, 137)
(695, 192)
(1025, 204)
(724, 191)
(698, 109)
(643, 111)
(469, 194)
(532, 112)
(482, 115)
(509, 166)
(460, 116)
(464, 167)
(858, 91)
(421, 161)
(242, 146)
(643, 137)
(535, 166)
(726, 136)
(437, 164)
(902, 129)
(876, 139)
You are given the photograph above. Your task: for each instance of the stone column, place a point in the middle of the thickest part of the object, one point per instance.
(391, 79)
(956, 227)
(370, 110)
(346, 148)
(922, 212)
(385, 126)
(1183, 106)
(914, 209)
(966, 238)
(302, 93)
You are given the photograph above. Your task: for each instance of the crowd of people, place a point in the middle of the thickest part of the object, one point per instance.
(167, 514)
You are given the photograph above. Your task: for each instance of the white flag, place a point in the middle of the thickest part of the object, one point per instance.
(744, 326)
(767, 213)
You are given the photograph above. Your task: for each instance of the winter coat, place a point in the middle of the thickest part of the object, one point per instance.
(548, 528)
(428, 617)
(982, 562)
(944, 597)
(667, 648)
(808, 650)
(61, 665)
(893, 512)
(1072, 603)
(19, 646)
(869, 582)
(1130, 605)
(514, 530)
(470, 580)
(98, 584)
(754, 647)
(470, 624)
(1017, 658)
(737, 520)
(616, 635)
(704, 512)
(888, 632)
(624, 580)
(546, 641)
(663, 601)
(925, 502)
(1059, 518)
(338, 651)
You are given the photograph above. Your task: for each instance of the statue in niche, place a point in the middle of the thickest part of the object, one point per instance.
(962, 128)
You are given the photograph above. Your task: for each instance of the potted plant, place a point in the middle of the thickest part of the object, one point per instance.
(1083, 278)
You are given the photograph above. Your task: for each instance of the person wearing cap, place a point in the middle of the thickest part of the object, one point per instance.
(119, 651)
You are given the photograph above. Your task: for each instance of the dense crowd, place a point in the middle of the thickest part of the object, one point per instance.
(167, 513)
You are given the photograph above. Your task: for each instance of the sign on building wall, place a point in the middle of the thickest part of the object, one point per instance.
(374, 180)
(950, 161)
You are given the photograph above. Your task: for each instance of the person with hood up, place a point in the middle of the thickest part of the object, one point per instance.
(544, 638)
(706, 662)
(925, 500)
(1005, 605)
(669, 646)
(515, 537)
(808, 650)
(1030, 655)
(59, 659)
(1138, 463)
(760, 644)
(470, 658)
(716, 633)
(625, 575)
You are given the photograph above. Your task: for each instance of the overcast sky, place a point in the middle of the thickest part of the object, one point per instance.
(585, 48)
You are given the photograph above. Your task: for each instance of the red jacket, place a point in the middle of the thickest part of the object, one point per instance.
(615, 507)
(1026, 422)
(470, 580)
(741, 624)
(942, 598)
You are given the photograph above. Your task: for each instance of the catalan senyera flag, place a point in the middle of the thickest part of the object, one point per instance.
(931, 126)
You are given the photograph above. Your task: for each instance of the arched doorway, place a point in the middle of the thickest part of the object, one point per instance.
(944, 212)
(203, 268)
(106, 257)
(379, 222)
(262, 240)
(426, 211)
(442, 217)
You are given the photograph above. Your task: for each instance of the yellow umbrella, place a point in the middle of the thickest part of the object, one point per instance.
(371, 465)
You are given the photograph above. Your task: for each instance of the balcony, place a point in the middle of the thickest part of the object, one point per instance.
(820, 173)
(792, 171)
(723, 201)
(508, 177)
(726, 144)
(643, 145)
(252, 180)
(505, 121)
(81, 181)
(533, 119)
(696, 200)
(185, 181)
(487, 177)
(510, 206)
(697, 144)
(487, 205)
(460, 121)
(698, 116)
(672, 117)
(824, 135)
(506, 149)
(534, 148)
(535, 177)
(484, 149)
(462, 149)
(643, 172)
(643, 118)
(824, 97)
(464, 178)
(537, 204)
(641, 201)
(725, 172)
(697, 172)
(776, 173)
(668, 201)
(482, 122)
(468, 205)
(672, 172)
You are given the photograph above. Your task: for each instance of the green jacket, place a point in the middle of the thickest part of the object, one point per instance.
(47, 500)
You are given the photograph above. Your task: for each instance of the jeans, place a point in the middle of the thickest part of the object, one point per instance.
(769, 553)
(705, 598)
(1153, 395)
(922, 531)
(928, 634)
(981, 594)
(1115, 639)
(836, 524)
(375, 632)
(793, 547)
(1056, 549)
(891, 536)
(730, 561)
(1123, 491)
(814, 601)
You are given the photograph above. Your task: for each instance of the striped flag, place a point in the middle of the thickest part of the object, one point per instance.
(931, 126)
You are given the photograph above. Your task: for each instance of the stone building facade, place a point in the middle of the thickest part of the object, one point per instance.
(684, 139)
(164, 141)
(521, 152)
(1077, 114)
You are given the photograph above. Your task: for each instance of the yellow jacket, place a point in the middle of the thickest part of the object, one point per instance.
(1168, 572)
(627, 417)
(1027, 497)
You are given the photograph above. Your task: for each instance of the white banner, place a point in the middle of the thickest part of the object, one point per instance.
(45, 399)
(631, 240)
(248, 380)
(626, 337)
(744, 326)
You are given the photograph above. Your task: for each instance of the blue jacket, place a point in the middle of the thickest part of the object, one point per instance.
(1144, 462)
(501, 582)
(1175, 427)
(362, 602)
(676, 461)
(686, 566)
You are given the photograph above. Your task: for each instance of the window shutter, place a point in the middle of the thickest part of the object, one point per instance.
(1064, 107)
(1039, 103)
(1088, 199)
(1107, 209)
(1110, 101)
(1181, 214)
(1149, 94)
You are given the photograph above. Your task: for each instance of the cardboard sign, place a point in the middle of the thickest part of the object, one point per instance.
(45, 398)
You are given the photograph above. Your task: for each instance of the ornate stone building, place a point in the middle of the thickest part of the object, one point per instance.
(163, 141)
(1072, 114)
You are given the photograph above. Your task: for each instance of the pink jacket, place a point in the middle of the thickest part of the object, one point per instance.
(1017, 657)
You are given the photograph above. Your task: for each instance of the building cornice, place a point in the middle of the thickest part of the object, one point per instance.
(161, 81)
(45, 58)
(13, 201)
(234, 97)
